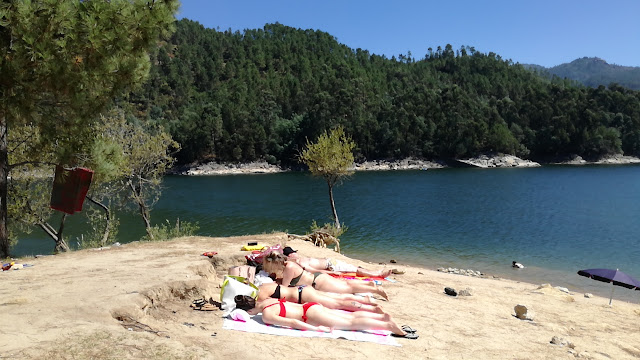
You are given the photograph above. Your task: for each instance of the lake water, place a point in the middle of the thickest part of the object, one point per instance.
(555, 220)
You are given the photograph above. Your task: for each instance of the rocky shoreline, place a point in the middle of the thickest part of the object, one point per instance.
(482, 161)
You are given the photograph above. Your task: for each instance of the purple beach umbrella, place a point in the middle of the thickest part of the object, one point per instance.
(616, 277)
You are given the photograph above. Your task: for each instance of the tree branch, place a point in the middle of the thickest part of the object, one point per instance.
(11, 166)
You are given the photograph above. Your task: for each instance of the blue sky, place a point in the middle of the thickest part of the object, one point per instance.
(539, 32)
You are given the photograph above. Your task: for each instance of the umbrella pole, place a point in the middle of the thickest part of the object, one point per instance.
(611, 297)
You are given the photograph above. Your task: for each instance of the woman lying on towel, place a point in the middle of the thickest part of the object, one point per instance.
(313, 316)
(303, 294)
(331, 265)
(293, 274)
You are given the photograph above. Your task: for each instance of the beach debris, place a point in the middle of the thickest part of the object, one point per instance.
(132, 324)
(547, 289)
(588, 295)
(523, 313)
(319, 238)
(556, 340)
(465, 292)
(450, 291)
(466, 272)
(392, 261)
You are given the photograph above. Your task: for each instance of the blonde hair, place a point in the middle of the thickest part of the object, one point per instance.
(274, 263)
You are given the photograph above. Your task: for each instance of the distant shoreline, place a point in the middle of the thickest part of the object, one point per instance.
(483, 161)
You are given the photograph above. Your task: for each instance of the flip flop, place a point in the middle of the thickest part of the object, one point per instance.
(207, 307)
(411, 336)
(210, 253)
(408, 329)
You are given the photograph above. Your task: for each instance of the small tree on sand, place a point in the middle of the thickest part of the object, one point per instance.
(330, 157)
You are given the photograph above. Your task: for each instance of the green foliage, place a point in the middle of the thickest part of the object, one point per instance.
(331, 156)
(329, 228)
(136, 157)
(97, 220)
(260, 94)
(166, 231)
(67, 59)
(62, 62)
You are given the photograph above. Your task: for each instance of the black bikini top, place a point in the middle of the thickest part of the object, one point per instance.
(295, 280)
(276, 294)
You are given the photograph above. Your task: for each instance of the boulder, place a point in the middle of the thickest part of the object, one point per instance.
(523, 313)
(450, 291)
(465, 292)
(556, 340)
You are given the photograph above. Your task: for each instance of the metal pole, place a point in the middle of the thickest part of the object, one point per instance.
(611, 297)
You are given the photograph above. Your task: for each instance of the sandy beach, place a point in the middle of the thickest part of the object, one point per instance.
(132, 302)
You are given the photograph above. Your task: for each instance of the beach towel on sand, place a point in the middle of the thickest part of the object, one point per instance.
(256, 325)
(352, 276)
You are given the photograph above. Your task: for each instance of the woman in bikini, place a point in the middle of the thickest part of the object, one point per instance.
(331, 265)
(304, 294)
(293, 274)
(313, 316)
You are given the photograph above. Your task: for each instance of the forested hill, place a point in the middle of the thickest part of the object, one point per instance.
(595, 72)
(261, 93)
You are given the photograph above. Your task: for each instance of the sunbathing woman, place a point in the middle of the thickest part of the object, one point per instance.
(313, 316)
(304, 294)
(330, 265)
(292, 274)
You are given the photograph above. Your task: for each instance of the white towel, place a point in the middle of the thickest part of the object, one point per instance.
(256, 325)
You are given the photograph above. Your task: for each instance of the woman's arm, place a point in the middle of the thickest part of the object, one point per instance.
(312, 269)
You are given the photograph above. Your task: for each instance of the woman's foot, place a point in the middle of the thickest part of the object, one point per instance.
(380, 291)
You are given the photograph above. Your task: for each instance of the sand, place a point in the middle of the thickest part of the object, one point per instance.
(132, 302)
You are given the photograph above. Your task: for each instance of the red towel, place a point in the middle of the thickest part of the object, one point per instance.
(70, 186)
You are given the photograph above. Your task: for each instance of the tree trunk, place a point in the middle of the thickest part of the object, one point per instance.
(107, 226)
(4, 182)
(137, 195)
(61, 245)
(333, 207)
(145, 217)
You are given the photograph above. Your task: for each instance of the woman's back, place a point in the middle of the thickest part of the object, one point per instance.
(280, 308)
(275, 291)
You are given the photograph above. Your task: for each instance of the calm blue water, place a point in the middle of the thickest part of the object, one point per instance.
(556, 220)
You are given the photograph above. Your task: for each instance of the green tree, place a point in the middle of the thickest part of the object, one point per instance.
(330, 157)
(146, 154)
(62, 61)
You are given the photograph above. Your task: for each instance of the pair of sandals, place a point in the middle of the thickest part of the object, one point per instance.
(202, 305)
(410, 333)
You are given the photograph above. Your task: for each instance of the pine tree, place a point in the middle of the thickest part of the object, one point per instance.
(62, 61)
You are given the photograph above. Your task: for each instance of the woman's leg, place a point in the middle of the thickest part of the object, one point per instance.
(350, 297)
(328, 283)
(320, 316)
(365, 272)
(309, 294)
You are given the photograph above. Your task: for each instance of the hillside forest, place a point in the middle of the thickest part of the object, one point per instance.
(261, 93)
